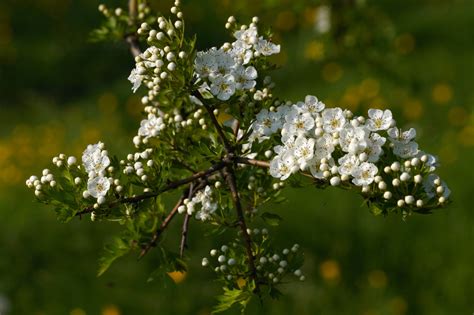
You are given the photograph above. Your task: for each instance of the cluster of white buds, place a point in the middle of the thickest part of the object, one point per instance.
(95, 161)
(140, 164)
(271, 266)
(202, 204)
(38, 183)
(228, 69)
(158, 62)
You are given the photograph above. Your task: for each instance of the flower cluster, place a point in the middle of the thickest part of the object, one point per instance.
(337, 147)
(95, 162)
(203, 200)
(271, 266)
(227, 70)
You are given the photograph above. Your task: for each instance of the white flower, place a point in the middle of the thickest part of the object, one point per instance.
(314, 167)
(266, 48)
(405, 150)
(247, 38)
(136, 79)
(223, 87)
(379, 119)
(396, 135)
(205, 63)
(282, 166)
(225, 64)
(245, 77)
(94, 159)
(297, 122)
(324, 146)
(267, 123)
(348, 163)
(98, 186)
(241, 54)
(364, 174)
(151, 127)
(303, 151)
(313, 105)
(208, 207)
(333, 119)
(353, 139)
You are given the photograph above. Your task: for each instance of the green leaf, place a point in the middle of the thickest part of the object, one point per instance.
(271, 218)
(231, 297)
(117, 248)
(375, 209)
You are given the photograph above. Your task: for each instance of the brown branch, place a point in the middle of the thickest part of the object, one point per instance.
(132, 39)
(184, 235)
(259, 163)
(231, 181)
(172, 185)
(162, 227)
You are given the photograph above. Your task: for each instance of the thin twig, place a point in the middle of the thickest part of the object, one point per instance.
(184, 235)
(219, 129)
(162, 227)
(172, 185)
(243, 226)
(184, 232)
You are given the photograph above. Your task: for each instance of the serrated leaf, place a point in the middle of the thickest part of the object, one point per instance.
(117, 248)
(271, 218)
(231, 297)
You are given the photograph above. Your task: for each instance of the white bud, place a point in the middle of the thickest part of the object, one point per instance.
(205, 262)
(439, 189)
(404, 176)
(419, 203)
(213, 252)
(221, 259)
(231, 262)
(395, 182)
(86, 194)
(424, 158)
(442, 199)
(395, 166)
(409, 199)
(417, 179)
(77, 180)
(71, 160)
(335, 181)
(401, 203)
(387, 195)
(382, 185)
(387, 169)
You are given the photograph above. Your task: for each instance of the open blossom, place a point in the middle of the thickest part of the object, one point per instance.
(396, 135)
(247, 37)
(266, 47)
(136, 79)
(405, 150)
(208, 206)
(98, 186)
(348, 163)
(245, 77)
(364, 174)
(151, 126)
(353, 139)
(379, 119)
(95, 160)
(267, 123)
(205, 63)
(283, 165)
(313, 105)
(223, 87)
(303, 151)
(333, 119)
(298, 122)
(324, 146)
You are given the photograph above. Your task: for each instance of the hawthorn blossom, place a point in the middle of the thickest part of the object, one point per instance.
(267, 123)
(405, 150)
(223, 87)
(364, 174)
(348, 164)
(396, 135)
(353, 139)
(297, 122)
(333, 119)
(324, 146)
(266, 48)
(303, 151)
(136, 79)
(313, 105)
(379, 119)
(283, 165)
(151, 127)
(245, 77)
(98, 186)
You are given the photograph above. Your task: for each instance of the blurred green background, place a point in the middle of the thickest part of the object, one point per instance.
(59, 92)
